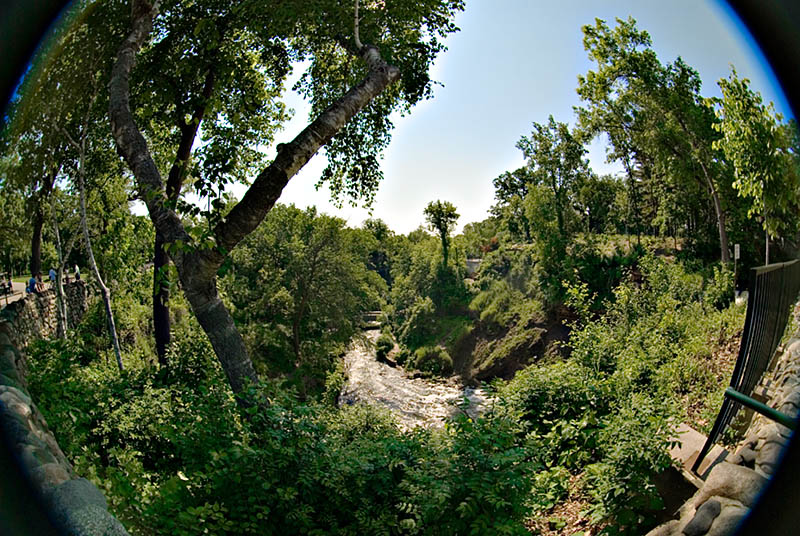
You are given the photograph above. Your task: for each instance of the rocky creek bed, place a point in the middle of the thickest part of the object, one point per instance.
(416, 402)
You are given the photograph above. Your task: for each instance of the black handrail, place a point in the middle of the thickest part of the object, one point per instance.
(773, 291)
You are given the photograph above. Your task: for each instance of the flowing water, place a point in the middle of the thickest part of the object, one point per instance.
(414, 401)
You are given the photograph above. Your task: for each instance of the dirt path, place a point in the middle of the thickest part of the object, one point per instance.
(415, 401)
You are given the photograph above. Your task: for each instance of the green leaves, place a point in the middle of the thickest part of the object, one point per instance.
(299, 285)
(763, 153)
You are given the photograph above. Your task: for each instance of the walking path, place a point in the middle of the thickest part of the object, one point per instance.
(414, 401)
(19, 293)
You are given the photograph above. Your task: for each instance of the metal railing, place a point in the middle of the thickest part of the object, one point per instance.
(773, 291)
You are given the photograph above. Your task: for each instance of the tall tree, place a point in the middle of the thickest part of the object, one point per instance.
(595, 198)
(407, 32)
(442, 217)
(510, 189)
(556, 160)
(78, 69)
(209, 115)
(58, 122)
(764, 154)
(653, 114)
(299, 286)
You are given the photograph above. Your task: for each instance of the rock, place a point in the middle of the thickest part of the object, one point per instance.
(667, 529)
(20, 408)
(33, 456)
(92, 520)
(731, 481)
(726, 522)
(15, 425)
(703, 518)
(771, 450)
(11, 381)
(744, 456)
(48, 475)
(8, 361)
(769, 456)
(6, 391)
(751, 440)
(71, 496)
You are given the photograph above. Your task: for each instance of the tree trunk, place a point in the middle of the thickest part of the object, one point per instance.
(36, 242)
(725, 254)
(766, 247)
(161, 322)
(39, 198)
(104, 292)
(197, 268)
(61, 302)
(198, 277)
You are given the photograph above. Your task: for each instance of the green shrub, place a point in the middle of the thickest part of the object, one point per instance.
(634, 444)
(401, 357)
(334, 383)
(418, 326)
(432, 359)
(479, 482)
(720, 288)
(550, 487)
(383, 346)
(352, 472)
(542, 394)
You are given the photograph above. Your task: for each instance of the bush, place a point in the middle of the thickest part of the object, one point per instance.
(401, 357)
(720, 288)
(418, 326)
(383, 346)
(432, 359)
(334, 383)
(634, 444)
(542, 394)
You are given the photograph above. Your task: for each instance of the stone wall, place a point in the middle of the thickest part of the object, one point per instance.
(733, 485)
(34, 316)
(75, 505)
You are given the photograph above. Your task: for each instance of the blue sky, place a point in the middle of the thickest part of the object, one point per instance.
(515, 62)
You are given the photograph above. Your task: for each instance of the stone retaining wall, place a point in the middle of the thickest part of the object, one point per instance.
(733, 485)
(76, 506)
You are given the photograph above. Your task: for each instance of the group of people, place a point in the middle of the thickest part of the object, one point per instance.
(36, 285)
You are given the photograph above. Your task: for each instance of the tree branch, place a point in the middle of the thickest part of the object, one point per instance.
(356, 36)
(269, 184)
(129, 140)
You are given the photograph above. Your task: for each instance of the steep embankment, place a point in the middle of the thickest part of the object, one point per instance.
(415, 401)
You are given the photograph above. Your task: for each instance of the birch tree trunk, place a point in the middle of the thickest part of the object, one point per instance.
(61, 302)
(105, 293)
(197, 268)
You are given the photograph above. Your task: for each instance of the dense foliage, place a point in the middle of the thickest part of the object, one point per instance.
(298, 286)
(597, 306)
(176, 455)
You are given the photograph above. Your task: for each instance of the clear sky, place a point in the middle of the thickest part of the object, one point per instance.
(512, 63)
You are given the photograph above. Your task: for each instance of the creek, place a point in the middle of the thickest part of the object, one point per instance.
(415, 402)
